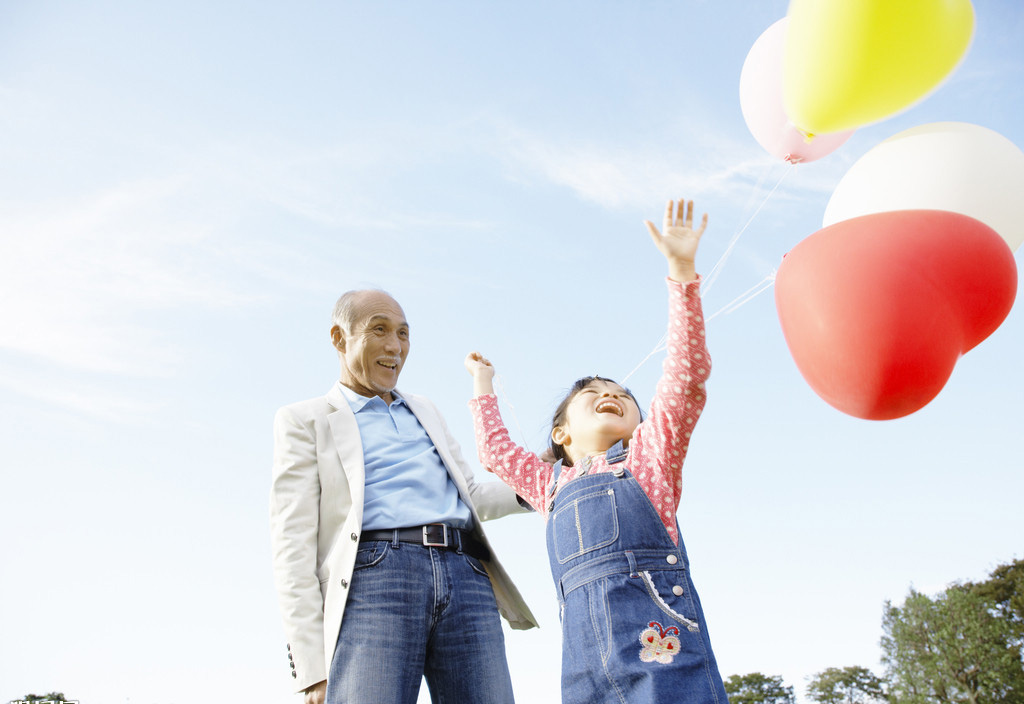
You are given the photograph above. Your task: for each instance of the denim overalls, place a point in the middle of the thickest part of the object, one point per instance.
(633, 630)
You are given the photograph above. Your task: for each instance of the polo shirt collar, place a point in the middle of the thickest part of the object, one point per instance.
(358, 402)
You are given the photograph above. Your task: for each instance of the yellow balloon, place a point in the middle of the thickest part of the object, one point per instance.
(851, 62)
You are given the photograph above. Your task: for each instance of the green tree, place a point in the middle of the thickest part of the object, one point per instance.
(953, 649)
(1005, 589)
(847, 685)
(52, 696)
(755, 688)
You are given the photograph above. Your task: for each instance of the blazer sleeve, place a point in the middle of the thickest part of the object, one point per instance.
(294, 522)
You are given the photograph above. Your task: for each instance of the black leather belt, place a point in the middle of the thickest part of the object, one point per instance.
(433, 535)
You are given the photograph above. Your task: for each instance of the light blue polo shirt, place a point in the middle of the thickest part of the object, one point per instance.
(407, 484)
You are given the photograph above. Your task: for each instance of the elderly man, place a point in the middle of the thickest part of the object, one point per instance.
(382, 568)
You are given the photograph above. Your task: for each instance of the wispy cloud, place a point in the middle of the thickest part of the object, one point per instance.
(80, 277)
(625, 174)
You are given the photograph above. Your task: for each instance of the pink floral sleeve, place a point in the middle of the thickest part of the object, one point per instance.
(660, 443)
(521, 469)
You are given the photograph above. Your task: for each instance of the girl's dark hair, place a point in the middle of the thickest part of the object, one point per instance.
(559, 417)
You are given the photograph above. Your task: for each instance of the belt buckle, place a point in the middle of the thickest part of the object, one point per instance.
(444, 533)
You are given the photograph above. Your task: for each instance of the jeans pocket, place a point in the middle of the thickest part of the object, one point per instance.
(477, 566)
(371, 554)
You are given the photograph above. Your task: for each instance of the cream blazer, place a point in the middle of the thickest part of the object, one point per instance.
(316, 515)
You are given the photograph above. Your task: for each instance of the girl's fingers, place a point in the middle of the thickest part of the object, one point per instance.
(655, 235)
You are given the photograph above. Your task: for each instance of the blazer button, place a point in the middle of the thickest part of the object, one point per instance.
(294, 676)
(344, 583)
(354, 537)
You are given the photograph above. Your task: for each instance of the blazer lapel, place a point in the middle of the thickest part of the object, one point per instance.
(345, 431)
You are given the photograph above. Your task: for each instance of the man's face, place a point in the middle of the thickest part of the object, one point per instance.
(373, 354)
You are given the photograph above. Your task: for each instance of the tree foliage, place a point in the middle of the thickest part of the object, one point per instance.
(847, 685)
(756, 688)
(951, 649)
(1005, 589)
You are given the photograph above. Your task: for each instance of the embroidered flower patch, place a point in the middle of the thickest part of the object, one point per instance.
(659, 644)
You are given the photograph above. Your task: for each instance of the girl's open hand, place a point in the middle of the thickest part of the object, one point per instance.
(478, 365)
(679, 239)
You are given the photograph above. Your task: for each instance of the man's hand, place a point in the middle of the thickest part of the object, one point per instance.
(315, 694)
(482, 371)
(679, 240)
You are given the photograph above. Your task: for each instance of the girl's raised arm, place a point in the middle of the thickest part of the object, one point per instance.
(482, 371)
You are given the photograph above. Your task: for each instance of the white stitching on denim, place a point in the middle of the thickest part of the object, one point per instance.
(691, 626)
(579, 528)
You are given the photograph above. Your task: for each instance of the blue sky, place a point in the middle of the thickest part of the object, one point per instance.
(185, 189)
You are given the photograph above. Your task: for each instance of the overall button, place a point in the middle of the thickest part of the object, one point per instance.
(671, 559)
(677, 590)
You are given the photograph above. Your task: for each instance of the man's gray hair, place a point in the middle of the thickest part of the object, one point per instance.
(344, 315)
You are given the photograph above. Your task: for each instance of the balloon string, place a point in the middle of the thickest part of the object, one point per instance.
(748, 295)
(500, 386)
(717, 268)
(751, 293)
(657, 348)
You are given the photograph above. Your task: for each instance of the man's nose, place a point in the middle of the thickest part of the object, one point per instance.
(392, 343)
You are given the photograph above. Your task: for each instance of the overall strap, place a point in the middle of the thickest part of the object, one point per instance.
(616, 453)
(556, 469)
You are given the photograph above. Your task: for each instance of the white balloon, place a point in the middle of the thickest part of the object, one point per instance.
(952, 166)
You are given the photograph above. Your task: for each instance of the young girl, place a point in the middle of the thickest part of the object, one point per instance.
(632, 625)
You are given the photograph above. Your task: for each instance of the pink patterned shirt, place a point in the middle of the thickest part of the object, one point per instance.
(658, 445)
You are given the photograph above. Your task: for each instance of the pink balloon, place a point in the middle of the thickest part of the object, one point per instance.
(876, 310)
(762, 102)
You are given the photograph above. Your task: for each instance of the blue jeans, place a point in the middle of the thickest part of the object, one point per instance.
(415, 612)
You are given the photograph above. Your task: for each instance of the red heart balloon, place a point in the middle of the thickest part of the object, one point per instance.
(877, 309)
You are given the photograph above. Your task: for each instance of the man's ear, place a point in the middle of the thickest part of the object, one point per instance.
(337, 338)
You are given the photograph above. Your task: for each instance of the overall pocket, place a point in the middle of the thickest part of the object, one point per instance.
(670, 592)
(585, 523)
